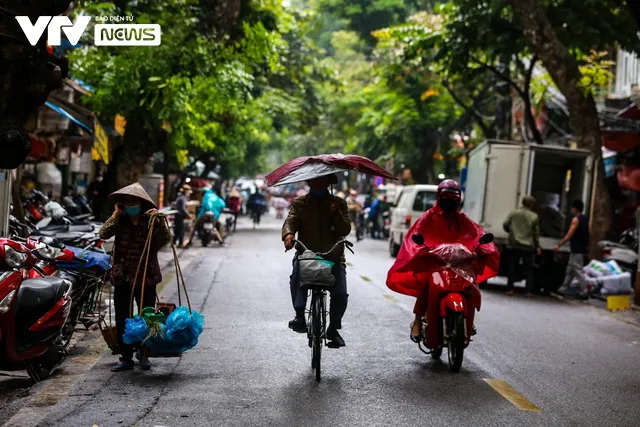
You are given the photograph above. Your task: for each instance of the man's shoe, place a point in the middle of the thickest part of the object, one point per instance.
(335, 340)
(123, 365)
(299, 325)
(145, 363)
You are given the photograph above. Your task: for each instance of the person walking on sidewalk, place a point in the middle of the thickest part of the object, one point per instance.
(523, 226)
(320, 220)
(130, 224)
(578, 236)
(182, 214)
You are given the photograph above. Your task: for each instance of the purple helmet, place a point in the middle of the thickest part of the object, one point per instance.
(449, 189)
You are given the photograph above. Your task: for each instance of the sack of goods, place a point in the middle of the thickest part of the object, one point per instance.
(314, 271)
(608, 277)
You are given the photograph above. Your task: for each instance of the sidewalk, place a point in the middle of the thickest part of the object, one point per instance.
(630, 316)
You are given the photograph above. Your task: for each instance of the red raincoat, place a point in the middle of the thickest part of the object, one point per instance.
(409, 274)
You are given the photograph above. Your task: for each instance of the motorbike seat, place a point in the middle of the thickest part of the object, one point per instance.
(37, 296)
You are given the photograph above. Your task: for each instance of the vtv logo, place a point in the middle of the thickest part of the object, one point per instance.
(54, 26)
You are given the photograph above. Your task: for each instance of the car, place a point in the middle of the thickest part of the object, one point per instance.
(411, 203)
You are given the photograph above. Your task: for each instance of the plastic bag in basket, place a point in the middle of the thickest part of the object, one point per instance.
(179, 334)
(135, 330)
(315, 271)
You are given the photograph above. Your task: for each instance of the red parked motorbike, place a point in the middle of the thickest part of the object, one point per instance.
(33, 313)
(453, 298)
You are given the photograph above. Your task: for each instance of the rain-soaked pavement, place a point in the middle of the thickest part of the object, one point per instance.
(538, 362)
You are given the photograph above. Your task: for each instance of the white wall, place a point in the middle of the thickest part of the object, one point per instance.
(627, 73)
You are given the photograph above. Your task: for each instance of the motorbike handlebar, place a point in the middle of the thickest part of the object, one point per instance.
(301, 247)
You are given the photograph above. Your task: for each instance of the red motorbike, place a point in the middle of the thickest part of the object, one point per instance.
(453, 297)
(34, 310)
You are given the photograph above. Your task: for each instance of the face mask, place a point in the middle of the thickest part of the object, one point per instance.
(448, 205)
(132, 210)
(319, 193)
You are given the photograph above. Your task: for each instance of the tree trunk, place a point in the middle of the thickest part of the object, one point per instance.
(583, 115)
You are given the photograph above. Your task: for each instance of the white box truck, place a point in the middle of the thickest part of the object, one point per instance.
(500, 173)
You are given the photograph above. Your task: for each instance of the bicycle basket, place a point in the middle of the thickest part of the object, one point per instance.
(315, 271)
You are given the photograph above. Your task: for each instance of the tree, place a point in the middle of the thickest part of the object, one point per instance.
(366, 16)
(564, 69)
(197, 91)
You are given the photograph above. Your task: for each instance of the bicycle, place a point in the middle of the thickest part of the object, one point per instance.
(323, 280)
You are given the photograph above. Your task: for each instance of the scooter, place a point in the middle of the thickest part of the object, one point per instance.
(624, 252)
(33, 314)
(453, 298)
(206, 229)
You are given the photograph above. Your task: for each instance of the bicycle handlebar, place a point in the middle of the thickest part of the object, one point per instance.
(347, 244)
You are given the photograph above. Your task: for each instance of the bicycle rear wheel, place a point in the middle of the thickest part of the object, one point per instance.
(316, 314)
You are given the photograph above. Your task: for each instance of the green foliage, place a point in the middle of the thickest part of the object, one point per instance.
(218, 96)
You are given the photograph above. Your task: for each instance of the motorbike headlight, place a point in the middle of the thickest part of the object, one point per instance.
(13, 258)
(6, 301)
(49, 252)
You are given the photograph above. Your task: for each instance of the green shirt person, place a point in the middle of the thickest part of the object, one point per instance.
(523, 226)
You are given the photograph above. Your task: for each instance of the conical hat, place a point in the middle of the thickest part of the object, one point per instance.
(134, 190)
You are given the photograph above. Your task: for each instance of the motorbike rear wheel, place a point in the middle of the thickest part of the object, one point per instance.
(457, 339)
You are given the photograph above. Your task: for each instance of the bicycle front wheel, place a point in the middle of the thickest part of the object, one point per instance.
(316, 314)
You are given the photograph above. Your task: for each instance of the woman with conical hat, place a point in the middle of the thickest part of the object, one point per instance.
(129, 223)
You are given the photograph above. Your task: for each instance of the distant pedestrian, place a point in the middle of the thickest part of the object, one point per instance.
(181, 214)
(523, 226)
(578, 236)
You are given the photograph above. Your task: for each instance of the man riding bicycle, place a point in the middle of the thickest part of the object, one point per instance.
(320, 220)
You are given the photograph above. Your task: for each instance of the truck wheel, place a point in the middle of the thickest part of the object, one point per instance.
(393, 248)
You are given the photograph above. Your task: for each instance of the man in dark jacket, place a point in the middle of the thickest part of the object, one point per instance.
(320, 220)
(182, 214)
(129, 223)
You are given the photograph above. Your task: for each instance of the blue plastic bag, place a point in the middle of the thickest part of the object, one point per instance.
(135, 330)
(179, 334)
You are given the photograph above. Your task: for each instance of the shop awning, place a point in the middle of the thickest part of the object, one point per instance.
(87, 120)
(77, 114)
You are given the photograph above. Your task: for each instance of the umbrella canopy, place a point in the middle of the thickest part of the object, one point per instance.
(306, 168)
(134, 190)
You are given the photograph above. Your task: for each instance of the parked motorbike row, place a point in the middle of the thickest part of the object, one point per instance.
(51, 274)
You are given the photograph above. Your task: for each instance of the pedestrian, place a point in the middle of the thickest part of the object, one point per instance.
(320, 220)
(578, 236)
(234, 205)
(523, 226)
(130, 224)
(374, 216)
(354, 207)
(181, 214)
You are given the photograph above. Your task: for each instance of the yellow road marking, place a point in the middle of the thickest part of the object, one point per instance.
(391, 298)
(509, 393)
(365, 278)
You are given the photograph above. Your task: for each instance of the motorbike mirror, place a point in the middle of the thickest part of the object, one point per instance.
(486, 239)
(418, 239)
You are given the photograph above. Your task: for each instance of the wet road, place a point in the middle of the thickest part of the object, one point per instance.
(575, 364)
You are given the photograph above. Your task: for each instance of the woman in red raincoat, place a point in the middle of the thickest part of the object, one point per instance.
(444, 223)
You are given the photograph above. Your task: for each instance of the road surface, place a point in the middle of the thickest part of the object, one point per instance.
(538, 362)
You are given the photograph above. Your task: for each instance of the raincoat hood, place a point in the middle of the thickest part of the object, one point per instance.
(411, 270)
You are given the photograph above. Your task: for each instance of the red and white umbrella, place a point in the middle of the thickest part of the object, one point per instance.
(307, 168)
